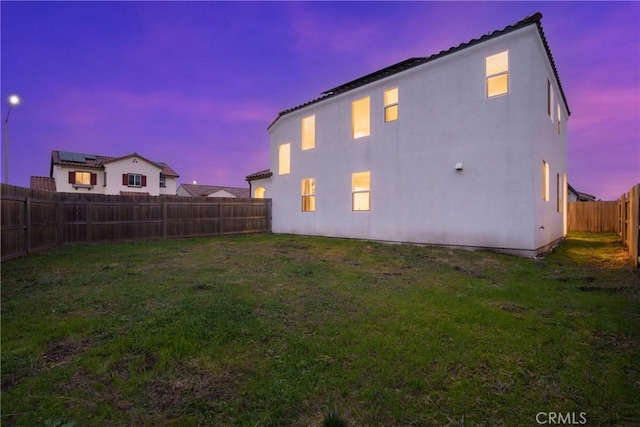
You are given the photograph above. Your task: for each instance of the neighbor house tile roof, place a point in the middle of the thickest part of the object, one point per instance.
(199, 190)
(414, 62)
(96, 161)
(259, 175)
(43, 183)
(134, 193)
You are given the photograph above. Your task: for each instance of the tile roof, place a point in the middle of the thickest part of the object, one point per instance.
(43, 183)
(414, 62)
(266, 173)
(199, 190)
(134, 193)
(96, 161)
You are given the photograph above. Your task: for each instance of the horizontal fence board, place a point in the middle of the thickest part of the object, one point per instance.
(33, 220)
(596, 217)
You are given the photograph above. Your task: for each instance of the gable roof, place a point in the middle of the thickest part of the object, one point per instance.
(414, 62)
(43, 183)
(96, 161)
(199, 190)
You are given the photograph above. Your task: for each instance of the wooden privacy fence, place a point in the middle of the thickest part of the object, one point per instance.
(34, 220)
(628, 207)
(597, 217)
(621, 216)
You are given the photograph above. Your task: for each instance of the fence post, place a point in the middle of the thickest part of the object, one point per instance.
(165, 211)
(220, 217)
(60, 220)
(88, 222)
(27, 225)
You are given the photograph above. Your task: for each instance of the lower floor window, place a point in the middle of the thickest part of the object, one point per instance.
(361, 191)
(308, 195)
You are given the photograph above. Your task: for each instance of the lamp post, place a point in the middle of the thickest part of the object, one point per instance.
(13, 100)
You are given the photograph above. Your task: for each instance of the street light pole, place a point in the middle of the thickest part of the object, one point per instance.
(13, 100)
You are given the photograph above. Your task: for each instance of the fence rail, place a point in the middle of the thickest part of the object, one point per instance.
(35, 220)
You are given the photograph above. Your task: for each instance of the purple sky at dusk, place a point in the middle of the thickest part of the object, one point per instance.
(195, 84)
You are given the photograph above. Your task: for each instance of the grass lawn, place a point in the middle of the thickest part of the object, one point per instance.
(285, 330)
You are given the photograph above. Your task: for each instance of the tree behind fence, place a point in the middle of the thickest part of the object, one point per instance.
(33, 220)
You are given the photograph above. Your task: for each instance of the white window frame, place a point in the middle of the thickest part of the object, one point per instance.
(391, 104)
(491, 75)
(308, 137)
(284, 158)
(308, 192)
(132, 180)
(361, 122)
(357, 192)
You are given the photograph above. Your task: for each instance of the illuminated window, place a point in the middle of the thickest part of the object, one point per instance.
(360, 118)
(361, 191)
(284, 159)
(308, 195)
(497, 74)
(308, 132)
(83, 178)
(258, 193)
(559, 193)
(559, 120)
(545, 181)
(549, 100)
(391, 105)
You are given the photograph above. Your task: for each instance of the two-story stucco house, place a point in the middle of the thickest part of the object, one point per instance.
(131, 174)
(463, 148)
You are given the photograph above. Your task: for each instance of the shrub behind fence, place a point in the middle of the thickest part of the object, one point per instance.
(33, 220)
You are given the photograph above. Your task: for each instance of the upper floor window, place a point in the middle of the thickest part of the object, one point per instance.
(308, 195)
(550, 102)
(284, 159)
(134, 180)
(163, 181)
(308, 132)
(361, 191)
(559, 120)
(391, 105)
(497, 74)
(82, 178)
(360, 118)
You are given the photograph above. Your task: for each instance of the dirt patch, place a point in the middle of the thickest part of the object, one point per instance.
(611, 290)
(60, 352)
(191, 385)
(616, 342)
(508, 306)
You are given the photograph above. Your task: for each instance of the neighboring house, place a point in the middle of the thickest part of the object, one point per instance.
(576, 196)
(464, 148)
(197, 190)
(131, 174)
